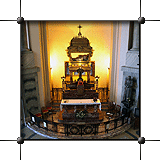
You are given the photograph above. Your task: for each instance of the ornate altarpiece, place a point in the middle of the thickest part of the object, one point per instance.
(79, 70)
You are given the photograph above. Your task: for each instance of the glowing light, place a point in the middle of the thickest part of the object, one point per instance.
(59, 36)
(54, 61)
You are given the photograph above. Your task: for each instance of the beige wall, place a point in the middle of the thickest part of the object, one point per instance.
(60, 34)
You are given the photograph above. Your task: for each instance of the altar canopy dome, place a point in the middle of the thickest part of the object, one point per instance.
(79, 44)
(79, 41)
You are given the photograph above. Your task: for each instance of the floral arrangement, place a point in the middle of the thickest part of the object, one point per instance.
(81, 114)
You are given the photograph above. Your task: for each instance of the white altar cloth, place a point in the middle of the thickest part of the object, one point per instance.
(79, 102)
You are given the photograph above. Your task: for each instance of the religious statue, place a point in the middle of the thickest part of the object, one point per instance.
(128, 88)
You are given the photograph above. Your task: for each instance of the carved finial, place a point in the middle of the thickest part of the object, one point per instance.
(80, 34)
(79, 27)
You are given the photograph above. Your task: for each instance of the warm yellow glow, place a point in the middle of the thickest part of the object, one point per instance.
(61, 33)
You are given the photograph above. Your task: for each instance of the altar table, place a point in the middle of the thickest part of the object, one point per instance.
(79, 102)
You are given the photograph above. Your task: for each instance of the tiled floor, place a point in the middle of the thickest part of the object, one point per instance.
(26, 133)
(130, 134)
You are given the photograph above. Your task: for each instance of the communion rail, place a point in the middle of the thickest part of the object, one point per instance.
(74, 128)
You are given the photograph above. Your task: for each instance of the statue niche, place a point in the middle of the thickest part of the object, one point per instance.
(130, 91)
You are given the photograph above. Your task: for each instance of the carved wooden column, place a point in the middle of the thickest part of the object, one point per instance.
(88, 76)
(71, 73)
(75, 109)
(96, 84)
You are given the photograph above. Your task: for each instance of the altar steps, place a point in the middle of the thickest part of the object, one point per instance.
(55, 107)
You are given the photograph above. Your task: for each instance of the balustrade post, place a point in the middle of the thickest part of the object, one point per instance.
(81, 129)
(67, 129)
(122, 120)
(103, 95)
(97, 128)
(38, 122)
(115, 124)
(57, 95)
(56, 128)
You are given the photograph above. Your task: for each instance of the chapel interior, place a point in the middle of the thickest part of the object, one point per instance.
(80, 79)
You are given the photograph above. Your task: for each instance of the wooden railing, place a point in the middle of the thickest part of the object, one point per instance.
(92, 128)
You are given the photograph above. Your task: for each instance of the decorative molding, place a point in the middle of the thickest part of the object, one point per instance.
(132, 58)
(30, 90)
(27, 59)
(130, 69)
(31, 79)
(30, 70)
(31, 98)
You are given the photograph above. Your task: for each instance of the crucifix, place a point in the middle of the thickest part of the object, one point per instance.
(80, 71)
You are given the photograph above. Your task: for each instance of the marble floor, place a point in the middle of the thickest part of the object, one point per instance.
(26, 133)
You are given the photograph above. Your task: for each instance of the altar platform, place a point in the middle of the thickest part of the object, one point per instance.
(108, 124)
